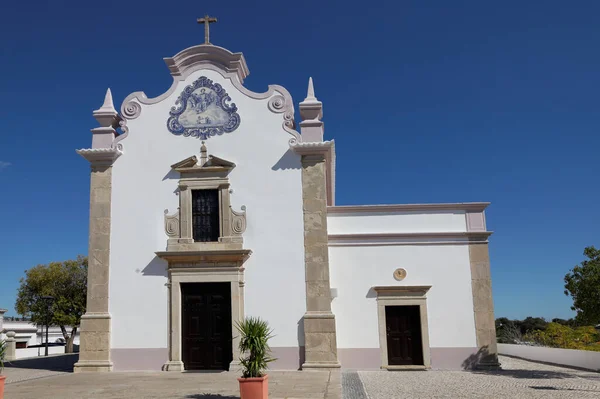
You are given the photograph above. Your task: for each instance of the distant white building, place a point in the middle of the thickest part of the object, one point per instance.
(212, 204)
(28, 334)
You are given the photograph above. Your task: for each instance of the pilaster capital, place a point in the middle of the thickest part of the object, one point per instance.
(98, 157)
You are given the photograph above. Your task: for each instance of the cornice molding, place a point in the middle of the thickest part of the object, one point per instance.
(210, 256)
(312, 147)
(461, 206)
(384, 239)
(402, 290)
(100, 156)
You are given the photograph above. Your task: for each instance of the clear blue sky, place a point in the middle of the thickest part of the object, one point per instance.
(428, 101)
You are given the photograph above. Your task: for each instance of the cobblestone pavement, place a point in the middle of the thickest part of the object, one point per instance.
(517, 379)
(38, 367)
(14, 374)
(292, 384)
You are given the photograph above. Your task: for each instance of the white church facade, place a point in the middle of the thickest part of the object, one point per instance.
(210, 203)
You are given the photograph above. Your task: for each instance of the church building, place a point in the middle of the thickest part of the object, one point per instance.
(211, 203)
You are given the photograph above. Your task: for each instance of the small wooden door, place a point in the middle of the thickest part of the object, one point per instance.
(403, 329)
(206, 326)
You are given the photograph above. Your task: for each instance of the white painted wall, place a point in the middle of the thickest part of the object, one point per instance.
(25, 353)
(267, 179)
(405, 222)
(567, 357)
(354, 270)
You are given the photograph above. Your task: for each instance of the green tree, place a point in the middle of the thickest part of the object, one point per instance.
(570, 322)
(582, 283)
(531, 324)
(67, 283)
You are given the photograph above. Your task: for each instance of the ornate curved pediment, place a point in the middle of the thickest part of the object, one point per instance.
(231, 66)
(195, 57)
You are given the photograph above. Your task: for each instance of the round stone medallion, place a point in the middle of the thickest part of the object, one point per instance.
(400, 274)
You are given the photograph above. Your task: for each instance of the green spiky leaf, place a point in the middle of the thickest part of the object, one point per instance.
(254, 336)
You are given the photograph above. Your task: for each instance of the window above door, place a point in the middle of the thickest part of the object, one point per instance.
(205, 219)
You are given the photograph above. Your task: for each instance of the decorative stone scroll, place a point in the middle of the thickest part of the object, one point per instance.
(238, 221)
(172, 224)
(279, 105)
(131, 110)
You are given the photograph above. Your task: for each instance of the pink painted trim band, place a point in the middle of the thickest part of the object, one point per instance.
(461, 206)
(467, 237)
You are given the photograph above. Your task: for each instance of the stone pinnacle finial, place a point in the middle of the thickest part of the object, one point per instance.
(311, 111)
(203, 156)
(107, 115)
(108, 102)
(310, 95)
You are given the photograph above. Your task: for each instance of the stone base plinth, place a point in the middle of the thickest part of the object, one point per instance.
(174, 365)
(94, 351)
(235, 367)
(320, 366)
(92, 366)
(320, 348)
(488, 364)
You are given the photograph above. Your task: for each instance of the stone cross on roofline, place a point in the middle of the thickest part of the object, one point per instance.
(207, 21)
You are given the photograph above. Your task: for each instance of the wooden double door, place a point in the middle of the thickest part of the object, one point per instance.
(206, 326)
(404, 340)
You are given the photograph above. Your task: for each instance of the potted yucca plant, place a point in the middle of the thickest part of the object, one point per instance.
(2, 377)
(256, 354)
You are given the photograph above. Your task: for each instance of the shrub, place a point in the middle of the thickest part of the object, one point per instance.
(509, 334)
(562, 336)
(255, 334)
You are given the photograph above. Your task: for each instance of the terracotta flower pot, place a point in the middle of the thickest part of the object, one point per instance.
(2, 381)
(253, 388)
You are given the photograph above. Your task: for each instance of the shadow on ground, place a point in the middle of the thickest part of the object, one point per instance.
(527, 374)
(473, 364)
(562, 389)
(52, 363)
(210, 396)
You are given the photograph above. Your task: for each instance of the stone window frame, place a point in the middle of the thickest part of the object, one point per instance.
(210, 174)
(403, 296)
(186, 186)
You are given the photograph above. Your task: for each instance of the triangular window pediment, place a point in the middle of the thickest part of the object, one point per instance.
(189, 162)
(216, 161)
(208, 164)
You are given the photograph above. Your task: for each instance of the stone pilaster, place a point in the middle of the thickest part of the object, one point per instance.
(94, 354)
(174, 363)
(94, 351)
(319, 321)
(483, 306)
